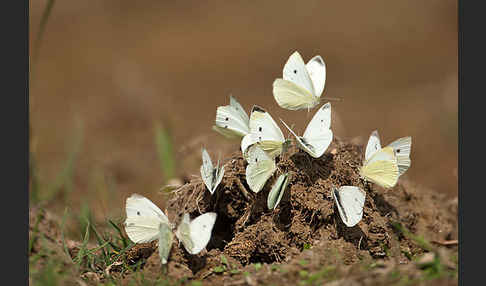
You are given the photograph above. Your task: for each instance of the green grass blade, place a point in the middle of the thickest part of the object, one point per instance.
(165, 152)
(120, 233)
(64, 246)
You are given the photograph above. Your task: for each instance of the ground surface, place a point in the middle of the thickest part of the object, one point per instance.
(399, 241)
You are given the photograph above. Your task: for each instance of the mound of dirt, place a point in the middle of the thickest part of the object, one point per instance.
(247, 232)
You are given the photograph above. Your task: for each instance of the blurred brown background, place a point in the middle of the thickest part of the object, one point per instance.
(114, 68)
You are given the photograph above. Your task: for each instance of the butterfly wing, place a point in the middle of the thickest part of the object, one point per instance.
(318, 135)
(165, 242)
(246, 142)
(143, 219)
(260, 167)
(382, 168)
(200, 231)
(240, 111)
(373, 145)
(231, 120)
(303, 144)
(207, 170)
(296, 72)
(228, 133)
(139, 206)
(291, 96)
(265, 131)
(277, 191)
(349, 201)
(219, 176)
(142, 229)
(317, 72)
(402, 148)
(183, 232)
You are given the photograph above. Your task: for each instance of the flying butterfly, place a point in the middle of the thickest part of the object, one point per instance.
(232, 120)
(349, 201)
(302, 84)
(259, 169)
(318, 135)
(211, 175)
(265, 132)
(145, 222)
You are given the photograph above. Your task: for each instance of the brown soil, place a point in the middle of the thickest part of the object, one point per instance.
(247, 232)
(304, 227)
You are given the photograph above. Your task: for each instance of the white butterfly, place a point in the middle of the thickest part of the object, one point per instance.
(211, 175)
(146, 222)
(401, 147)
(318, 135)
(232, 120)
(260, 167)
(302, 85)
(264, 131)
(195, 234)
(277, 191)
(349, 201)
(381, 164)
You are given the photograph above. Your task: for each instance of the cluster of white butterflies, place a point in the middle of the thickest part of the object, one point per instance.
(300, 87)
(146, 222)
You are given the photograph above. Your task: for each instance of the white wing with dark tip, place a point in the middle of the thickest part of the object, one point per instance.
(373, 145)
(264, 131)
